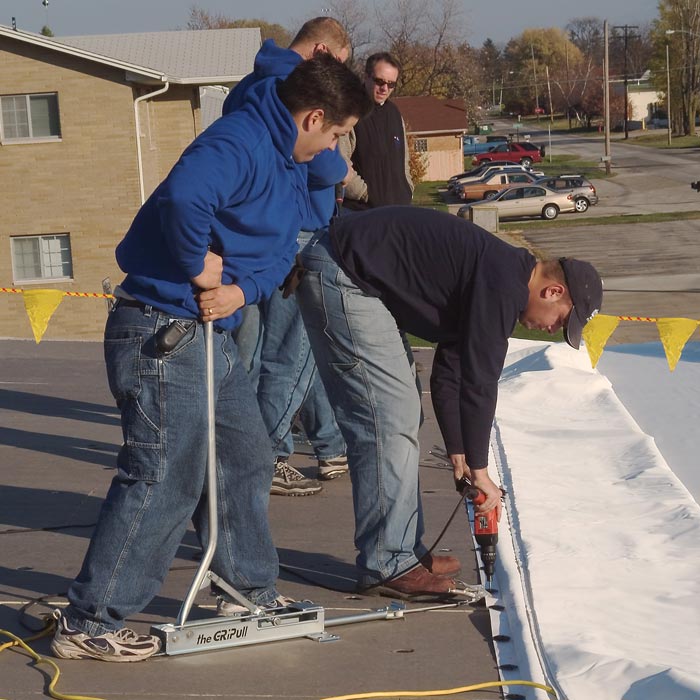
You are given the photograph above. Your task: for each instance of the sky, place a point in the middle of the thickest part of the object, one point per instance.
(500, 21)
(598, 563)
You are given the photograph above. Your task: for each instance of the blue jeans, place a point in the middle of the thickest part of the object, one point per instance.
(362, 359)
(288, 380)
(161, 473)
(248, 338)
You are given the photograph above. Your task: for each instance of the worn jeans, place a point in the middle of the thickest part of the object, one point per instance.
(287, 380)
(248, 337)
(368, 375)
(161, 465)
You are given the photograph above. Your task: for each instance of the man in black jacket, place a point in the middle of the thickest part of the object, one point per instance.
(379, 272)
(377, 146)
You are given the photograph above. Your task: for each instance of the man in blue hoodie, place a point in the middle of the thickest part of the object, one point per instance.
(218, 233)
(272, 339)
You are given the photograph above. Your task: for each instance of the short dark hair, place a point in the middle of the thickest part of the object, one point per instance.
(324, 83)
(376, 58)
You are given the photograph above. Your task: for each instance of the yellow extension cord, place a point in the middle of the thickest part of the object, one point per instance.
(22, 643)
(433, 693)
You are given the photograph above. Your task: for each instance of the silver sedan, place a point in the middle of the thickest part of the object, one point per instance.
(526, 200)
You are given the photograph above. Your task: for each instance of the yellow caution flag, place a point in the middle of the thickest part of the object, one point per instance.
(596, 333)
(674, 334)
(40, 305)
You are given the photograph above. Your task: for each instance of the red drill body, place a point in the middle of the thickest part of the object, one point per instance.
(485, 533)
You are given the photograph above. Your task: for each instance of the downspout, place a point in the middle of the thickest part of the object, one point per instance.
(160, 91)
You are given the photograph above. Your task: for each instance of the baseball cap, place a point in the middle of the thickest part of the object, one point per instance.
(586, 291)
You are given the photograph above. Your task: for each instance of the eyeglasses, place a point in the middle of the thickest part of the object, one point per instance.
(381, 83)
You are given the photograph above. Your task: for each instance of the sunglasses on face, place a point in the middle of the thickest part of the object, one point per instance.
(381, 83)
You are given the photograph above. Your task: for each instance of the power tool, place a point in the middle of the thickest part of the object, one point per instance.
(485, 534)
(485, 527)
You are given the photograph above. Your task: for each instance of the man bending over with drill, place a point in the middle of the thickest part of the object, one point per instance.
(392, 269)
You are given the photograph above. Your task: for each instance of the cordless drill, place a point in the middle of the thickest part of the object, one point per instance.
(485, 534)
(485, 527)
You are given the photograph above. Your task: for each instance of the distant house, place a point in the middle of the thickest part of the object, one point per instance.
(644, 100)
(89, 126)
(435, 128)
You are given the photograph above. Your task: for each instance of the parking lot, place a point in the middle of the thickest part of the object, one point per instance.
(649, 269)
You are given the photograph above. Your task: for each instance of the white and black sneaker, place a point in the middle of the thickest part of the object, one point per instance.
(124, 645)
(287, 481)
(332, 468)
(227, 608)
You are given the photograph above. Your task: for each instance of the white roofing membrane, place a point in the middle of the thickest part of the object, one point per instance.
(599, 548)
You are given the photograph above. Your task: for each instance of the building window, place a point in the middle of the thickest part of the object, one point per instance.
(29, 117)
(420, 145)
(36, 258)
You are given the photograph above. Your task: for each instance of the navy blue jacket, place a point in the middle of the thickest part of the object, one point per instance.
(450, 282)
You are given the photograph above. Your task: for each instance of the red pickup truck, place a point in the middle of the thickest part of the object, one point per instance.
(525, 153)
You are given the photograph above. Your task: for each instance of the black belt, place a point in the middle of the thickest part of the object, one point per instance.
(130, 302)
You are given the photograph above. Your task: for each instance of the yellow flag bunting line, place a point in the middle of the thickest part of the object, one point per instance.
(674, 333)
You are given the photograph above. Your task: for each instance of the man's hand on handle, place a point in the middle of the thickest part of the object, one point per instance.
(479, 479)
(216, 301)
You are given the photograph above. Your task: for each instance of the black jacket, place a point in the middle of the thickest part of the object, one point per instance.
(380, 158)
(448, 281)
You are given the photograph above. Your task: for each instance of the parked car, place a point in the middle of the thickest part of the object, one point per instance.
(490, 169)
(529, 146)
(526, 200)
(583, 190)
(524, 153)
(479, 169)
(471, 145)
(488, 186)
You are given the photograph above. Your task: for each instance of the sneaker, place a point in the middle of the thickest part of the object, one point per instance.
(287, 481)
(228, 608)
(416, 584)
(124, 645)
(332, 468)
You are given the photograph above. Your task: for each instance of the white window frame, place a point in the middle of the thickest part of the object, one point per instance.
(46, 263)
(420, 145)
(7, 140)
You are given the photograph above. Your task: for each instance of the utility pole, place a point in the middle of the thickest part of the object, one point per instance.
(668, 93)
(534, 73)
(606, 95)
(627, 35)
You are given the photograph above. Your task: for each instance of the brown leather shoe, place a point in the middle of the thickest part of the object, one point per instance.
(416, 584)
(441, 564)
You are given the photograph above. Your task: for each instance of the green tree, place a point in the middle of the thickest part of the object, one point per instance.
(541, 59)
(46, 31)
(491, 63)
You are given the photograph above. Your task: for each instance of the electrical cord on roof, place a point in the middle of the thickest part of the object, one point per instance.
(22, 645)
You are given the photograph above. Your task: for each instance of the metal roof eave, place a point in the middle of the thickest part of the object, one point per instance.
(51, 44)
(133, 77)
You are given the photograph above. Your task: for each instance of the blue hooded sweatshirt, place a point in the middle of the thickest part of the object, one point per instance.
(328, 168)
(235, 190)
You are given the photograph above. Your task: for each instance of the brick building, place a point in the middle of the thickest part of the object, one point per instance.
(88, 128)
